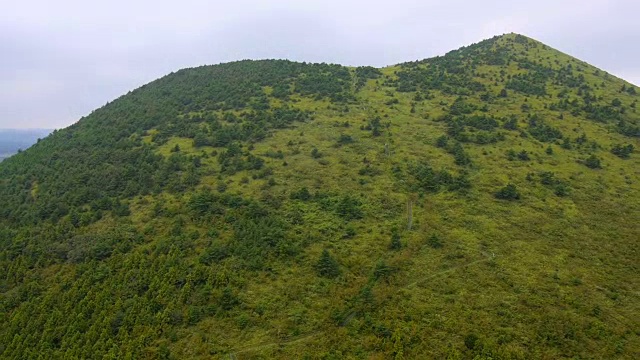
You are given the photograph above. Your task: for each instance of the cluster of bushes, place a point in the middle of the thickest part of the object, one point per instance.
(347, 207)
(542, 131)
(425, 178)
(622, 151)
(560, 187)
(461, 157)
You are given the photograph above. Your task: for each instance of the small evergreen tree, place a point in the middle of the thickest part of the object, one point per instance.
(228, 300)
(523, 155)
(302, 194)
(395, 243)
(509, 192)
(442, 141)
(349, 208)
(434, 241)
(382, 270)
(511, 123)
(622, 151)
(561, 190)
(593, 162)
(327, 266)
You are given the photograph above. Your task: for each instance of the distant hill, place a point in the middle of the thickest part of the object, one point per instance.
(482, 204)
(12, 140)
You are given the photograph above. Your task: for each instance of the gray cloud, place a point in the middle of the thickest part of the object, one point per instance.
(60, 60)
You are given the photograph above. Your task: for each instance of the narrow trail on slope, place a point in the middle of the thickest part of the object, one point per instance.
(275, 343)
(312, 335)
(488, 258)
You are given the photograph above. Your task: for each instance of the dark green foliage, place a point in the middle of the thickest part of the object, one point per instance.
(327, 266)
(395, 243)
(121, 209)
(382, 271)
(274, 154)
(434, 241)
(529, 83)
(543, 131)
(345, 139)
(511, 123)
(471, 341)
(375, 126)
(429, 180)
(281, 90)
(481, 122)
(547, 178)
(233, 160)
(523, 155)
(561, 189)
(112, 245)
(302, 194)
(442, 141)
(460, 107)
(315, 153)
(330, 81)
(228, 300)
(392, 101)
(593, 162)
(628, 128)
(509, 192)
(448, 74)
(582, 139)
(349, 233)
(461, 157)
(258, 234)
(457, 128)
(349, 208)
(201, 140)
(122, 165)
(367, 72)
(369, 170)
(622, 151)
(602, 113)
(214, 254)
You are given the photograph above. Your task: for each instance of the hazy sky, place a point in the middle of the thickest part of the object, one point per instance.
(61, 59)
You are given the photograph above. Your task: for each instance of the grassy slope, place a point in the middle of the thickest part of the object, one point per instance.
(542, 277)
(518, 275)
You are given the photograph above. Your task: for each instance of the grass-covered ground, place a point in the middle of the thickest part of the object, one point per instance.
(547, 272)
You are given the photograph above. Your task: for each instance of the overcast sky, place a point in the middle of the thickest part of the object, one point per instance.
(61, 59)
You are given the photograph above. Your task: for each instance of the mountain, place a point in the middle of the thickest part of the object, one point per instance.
(14, 140)
(483, 204)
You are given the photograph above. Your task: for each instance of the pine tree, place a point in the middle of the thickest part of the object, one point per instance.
(395, 240)
(593, 162)
(509, 192)
(434, 241)
(327, 266)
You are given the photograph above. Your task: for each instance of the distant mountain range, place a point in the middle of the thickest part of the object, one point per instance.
(13, 140)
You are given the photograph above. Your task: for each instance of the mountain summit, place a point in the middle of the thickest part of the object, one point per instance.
(483, 204)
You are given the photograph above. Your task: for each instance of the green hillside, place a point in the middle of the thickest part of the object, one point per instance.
(484, 204)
